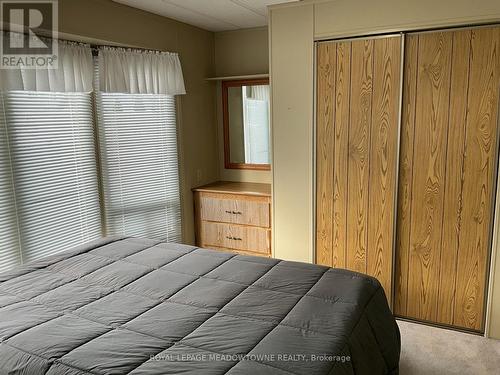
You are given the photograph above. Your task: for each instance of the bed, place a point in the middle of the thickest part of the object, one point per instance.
(138, 306)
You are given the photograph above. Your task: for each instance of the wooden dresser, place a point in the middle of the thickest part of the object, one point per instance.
(234, 216)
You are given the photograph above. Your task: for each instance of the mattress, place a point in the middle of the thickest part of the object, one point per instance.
(138, 306)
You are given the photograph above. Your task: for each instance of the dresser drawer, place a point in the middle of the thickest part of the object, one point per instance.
(236, 237)
(233, 209)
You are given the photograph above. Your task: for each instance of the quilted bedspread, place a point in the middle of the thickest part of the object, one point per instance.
(138, 306)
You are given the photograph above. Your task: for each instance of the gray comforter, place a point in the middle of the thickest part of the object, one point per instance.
(119, 306)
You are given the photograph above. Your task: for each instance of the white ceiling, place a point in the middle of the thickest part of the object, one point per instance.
(213, 15)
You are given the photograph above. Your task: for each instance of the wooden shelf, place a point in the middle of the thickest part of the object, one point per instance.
(244, 188)
(231, 78)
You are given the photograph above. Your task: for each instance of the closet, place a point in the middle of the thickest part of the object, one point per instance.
(407, 166)
(449, 161)
(358, 94)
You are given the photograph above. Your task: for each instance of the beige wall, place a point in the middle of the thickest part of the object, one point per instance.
(116, 23)
(293, 28)
(239, 52)
(292, 131)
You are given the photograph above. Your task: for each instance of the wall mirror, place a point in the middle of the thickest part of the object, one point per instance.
(245, 107)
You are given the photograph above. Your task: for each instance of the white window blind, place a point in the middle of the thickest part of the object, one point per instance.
(10, 253)
(138, 145)
(49, 197)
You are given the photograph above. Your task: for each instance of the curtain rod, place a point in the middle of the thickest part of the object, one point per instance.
(94, 46)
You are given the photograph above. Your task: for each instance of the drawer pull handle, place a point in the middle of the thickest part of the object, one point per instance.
(234, 238)
(234, 212)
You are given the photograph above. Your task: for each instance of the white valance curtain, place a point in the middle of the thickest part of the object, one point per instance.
(140, 72)
(74, 72)
(121, 70)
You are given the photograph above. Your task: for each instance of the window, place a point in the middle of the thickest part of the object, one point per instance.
(53, 195)
(49, 197)
(10, 253)
(138, 143)
(256, 123)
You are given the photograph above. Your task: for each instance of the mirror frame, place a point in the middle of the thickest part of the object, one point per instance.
(225, 120)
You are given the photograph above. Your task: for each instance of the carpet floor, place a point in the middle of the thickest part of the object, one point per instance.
(430, 350)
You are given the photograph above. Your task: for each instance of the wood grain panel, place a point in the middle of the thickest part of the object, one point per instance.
(247, 229)
(479, 172)
(455, 148)
(340, 153)
(447, 167)
(236, 209)
(431, 120)
(362, 154)
(242, 252)
(454, 176)
(382, 157)
(325, 149)
(245, 189)
(238, 237)
(405, 175)
(359, 144)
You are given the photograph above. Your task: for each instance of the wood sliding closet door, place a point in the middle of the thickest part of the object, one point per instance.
(447, 175)
(358, 91)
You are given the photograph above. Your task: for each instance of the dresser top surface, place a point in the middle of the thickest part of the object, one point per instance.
(243, 188)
